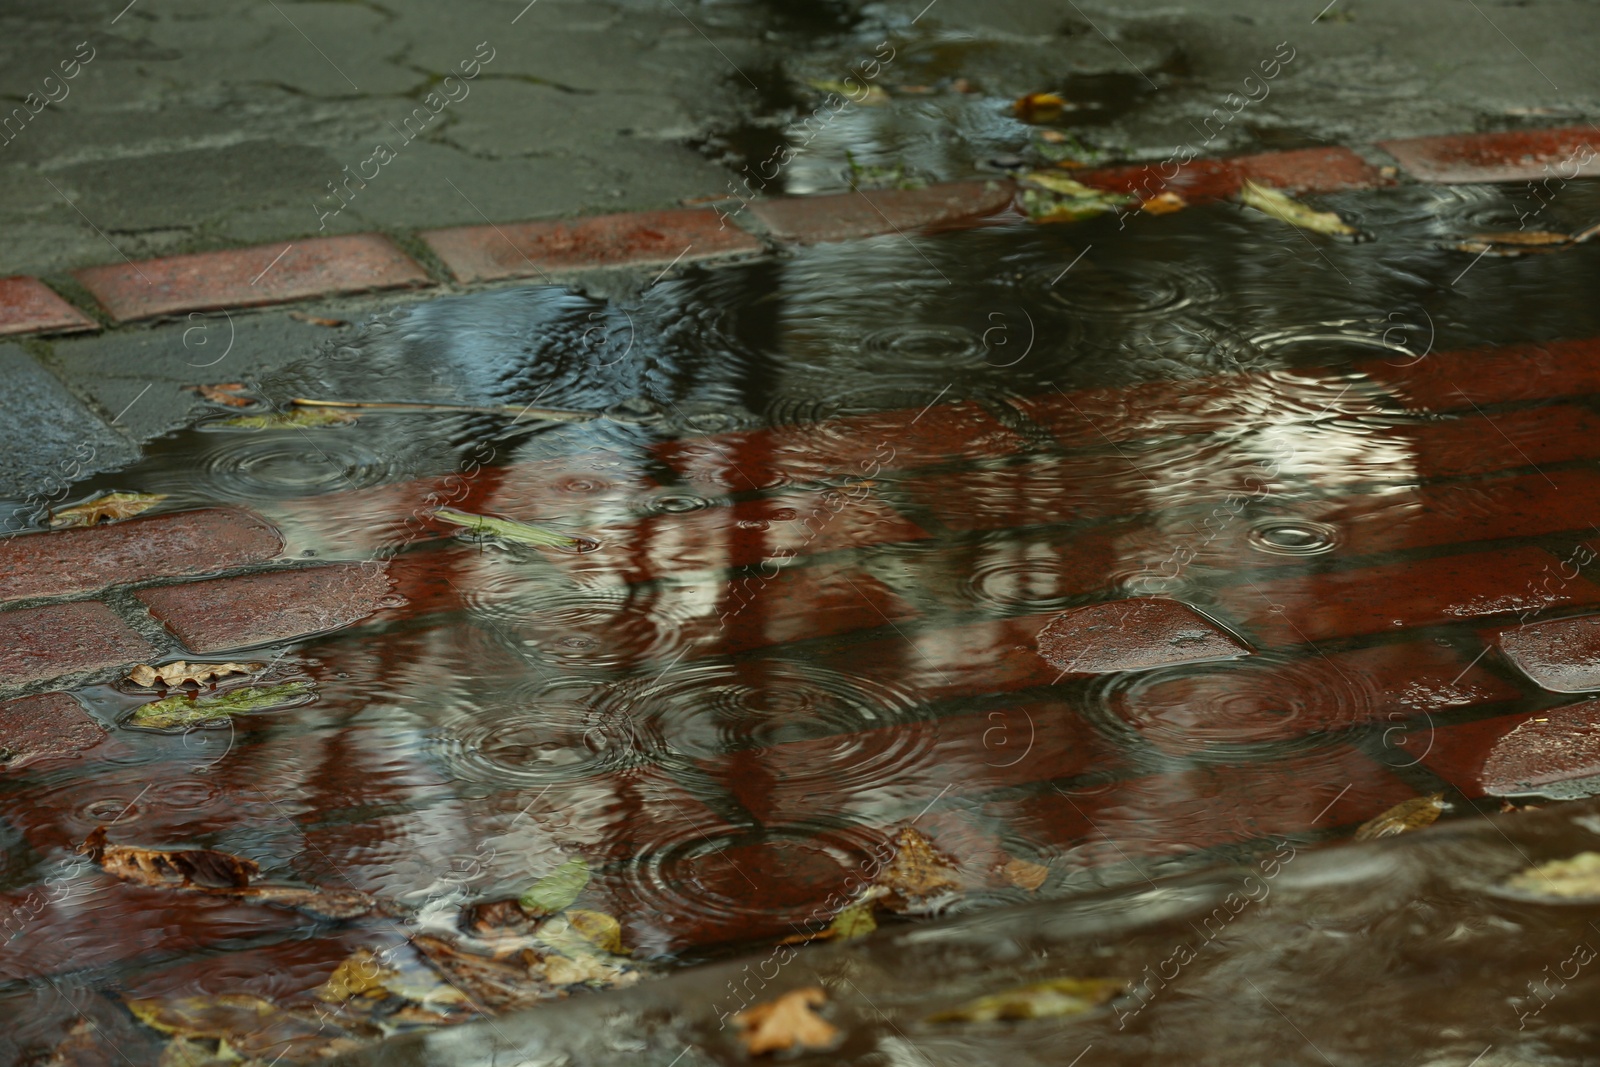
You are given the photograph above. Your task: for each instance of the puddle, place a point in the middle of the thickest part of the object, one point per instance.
(836, 499)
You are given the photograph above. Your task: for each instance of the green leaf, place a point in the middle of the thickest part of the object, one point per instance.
(510, 530)
(557, 889)
(181, 711)
(297, 419)
(1280, 205)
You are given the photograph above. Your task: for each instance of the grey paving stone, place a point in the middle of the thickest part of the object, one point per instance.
(48, 438)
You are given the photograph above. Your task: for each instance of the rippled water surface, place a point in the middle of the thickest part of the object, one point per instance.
(834, 498)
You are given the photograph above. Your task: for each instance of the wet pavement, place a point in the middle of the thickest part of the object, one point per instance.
(1113, 552)
(1061, 598)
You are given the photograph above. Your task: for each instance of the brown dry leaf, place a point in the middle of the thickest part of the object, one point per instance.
(1164, 204)
(1040, 1000)
(917, 873)
(1025, 875)
(787, 1021)
(327, 903)
(108, 507)
(179, 869)
(317, 320)
(227, 393)
(586, 970)
(492, 984)
(179, 672)
(1406, 816)
(1039, 107)
(499, 920)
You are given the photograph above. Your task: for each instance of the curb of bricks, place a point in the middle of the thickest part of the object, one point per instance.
(288, 272)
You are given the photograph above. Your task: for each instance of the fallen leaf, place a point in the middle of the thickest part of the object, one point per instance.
(197, 1052)
(1163, 204)
(178, 672)
(489, 983)
(159, 868)
(327, 903)
(787, 1021)
(203, 1017)
(585, 970)
(874, 96)
(363, 972)
(295, 419)
(580, 933)
(500, 920)
(1040, 1000)
(557, 889)
(510, 530)
(857, 920)
(1575, 877)
(917, 873)
(1514, 243)
(317, 320)
(186, 711)
(1408, 815)
(373, 975)
(1048, 197)
(246, 1028)
(226, 393)
(108, 507)
(1038, 107)
(1025, 875)
(1285, 208)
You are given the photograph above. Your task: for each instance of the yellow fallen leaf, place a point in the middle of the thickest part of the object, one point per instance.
(1038, 107)
(203, 1017)
(1575, 877)
(1025, 875)
(1041, 1000)
(1164, 204)
(1514, 243)
(362, 973)
(1406, 816)
(1285, 208)
(179, 672)
(856, 920)
(297, 419)
(1054, 197)
(598, 928)
(108, 507)
(1060, 183)
(786, 1022)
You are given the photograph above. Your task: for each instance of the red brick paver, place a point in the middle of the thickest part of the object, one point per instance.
(1132, 635)
(1511, 754)
(64, 562)
(27, 305)
(1562, 655)
(840, 217)
(1513, 155)
(251, 277)
(635, 239)
(1403, 596)
(256, 609)
(49, 726)
(1306, 170)
(37, 644)
(1456, 380)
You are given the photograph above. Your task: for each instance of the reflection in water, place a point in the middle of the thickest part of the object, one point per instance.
(833, 515)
